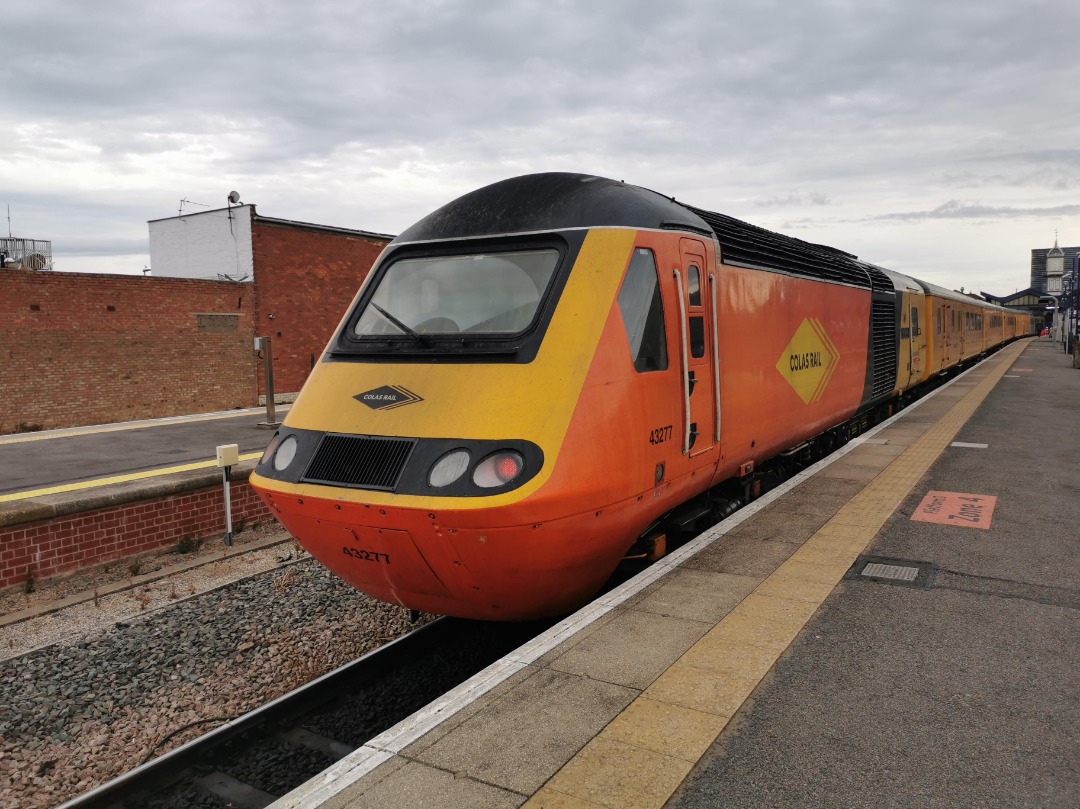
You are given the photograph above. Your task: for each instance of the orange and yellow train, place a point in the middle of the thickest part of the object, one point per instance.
(538, 374)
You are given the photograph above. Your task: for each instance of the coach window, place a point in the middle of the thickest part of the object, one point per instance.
(914, 322)
(643, 313)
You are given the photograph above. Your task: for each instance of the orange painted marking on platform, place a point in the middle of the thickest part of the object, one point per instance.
(956, 508)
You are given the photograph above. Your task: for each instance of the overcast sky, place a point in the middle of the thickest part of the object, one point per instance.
(940, 138)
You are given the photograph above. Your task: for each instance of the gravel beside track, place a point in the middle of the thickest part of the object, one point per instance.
(81, 711)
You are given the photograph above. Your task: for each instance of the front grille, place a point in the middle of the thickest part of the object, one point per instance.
(359, 461)
(883, 325)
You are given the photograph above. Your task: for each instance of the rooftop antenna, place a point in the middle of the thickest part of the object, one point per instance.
(9, 220)
(186, 201)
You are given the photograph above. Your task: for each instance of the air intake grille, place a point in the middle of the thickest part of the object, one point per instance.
(883, 323)
(359, 462)
(747, 245)
(879, 281)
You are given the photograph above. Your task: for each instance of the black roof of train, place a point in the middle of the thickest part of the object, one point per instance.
(552, 201)
(559, 201)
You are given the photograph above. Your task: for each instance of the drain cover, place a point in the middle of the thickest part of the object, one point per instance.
(901, 572)
(898, 572)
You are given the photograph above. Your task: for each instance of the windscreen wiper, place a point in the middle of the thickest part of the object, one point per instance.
(398, 323)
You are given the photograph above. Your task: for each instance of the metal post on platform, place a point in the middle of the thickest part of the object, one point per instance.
(263, 344)
(228, 455)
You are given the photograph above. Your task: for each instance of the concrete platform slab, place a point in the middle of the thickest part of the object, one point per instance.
(633, 649)
(560, 711)
(413, 784)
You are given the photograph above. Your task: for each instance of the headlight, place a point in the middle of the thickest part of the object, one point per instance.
(498, 469)
(269, 451)
(285, 453)
(448, 468)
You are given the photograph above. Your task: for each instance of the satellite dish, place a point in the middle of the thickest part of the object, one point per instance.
(234, 197)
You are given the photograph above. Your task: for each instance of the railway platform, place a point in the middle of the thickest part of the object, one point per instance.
(75, 498)
(83, 458)
(896, 626)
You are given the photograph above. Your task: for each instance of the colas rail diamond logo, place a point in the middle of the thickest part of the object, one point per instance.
(809, 360)
(388, 397)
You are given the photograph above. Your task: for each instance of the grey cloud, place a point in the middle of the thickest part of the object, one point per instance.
(798, 199)
(955, 209)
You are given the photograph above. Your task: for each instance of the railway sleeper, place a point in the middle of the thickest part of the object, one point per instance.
(234, 791)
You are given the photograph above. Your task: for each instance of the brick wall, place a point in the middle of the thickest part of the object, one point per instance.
(78, 348)
(64, 544)
(306, 279)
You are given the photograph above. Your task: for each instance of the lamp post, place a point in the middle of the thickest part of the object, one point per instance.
(1068, 312)
(1076, 298)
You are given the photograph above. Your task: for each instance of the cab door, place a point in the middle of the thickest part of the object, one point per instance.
(700, 378)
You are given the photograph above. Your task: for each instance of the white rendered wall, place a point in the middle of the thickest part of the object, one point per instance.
(208, 244)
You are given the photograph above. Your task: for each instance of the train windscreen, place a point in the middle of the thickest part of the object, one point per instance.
(483, 293)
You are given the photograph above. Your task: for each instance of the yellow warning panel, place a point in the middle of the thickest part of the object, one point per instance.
(956, 508)
(809, 360)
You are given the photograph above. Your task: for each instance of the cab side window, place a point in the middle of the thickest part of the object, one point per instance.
(697, 322)
(643, 313)
(693, 285)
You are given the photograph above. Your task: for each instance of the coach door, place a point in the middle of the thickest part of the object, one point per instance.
(950, 335)
(915, 342)
(698, 350)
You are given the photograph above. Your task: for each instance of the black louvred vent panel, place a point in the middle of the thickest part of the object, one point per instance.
(747, 245)
(883, 322)
(359, 461)
(879, 281)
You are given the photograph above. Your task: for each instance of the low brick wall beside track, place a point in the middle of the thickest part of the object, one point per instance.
(51, 536)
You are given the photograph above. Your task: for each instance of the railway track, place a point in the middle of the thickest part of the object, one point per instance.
(253, 759)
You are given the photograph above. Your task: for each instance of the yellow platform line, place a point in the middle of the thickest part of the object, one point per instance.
(110, 481)
(646, 752)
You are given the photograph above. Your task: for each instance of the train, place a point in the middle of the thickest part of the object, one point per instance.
(557, 372)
